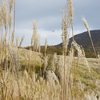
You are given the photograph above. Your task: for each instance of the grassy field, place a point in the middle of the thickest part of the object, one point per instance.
(32, 75)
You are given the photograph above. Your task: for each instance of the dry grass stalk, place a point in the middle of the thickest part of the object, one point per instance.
(10, 22)
(91, 96)
(65, 36)
(51, 76)
(1, 16)
(81, 53)
(11, 4)
(51, 79)
(1, 42)
(16, 86)
(45, 64)
(71, 13)
(68, 85)
(34, 32)
(5, 38)
(21, 40)
(46, 44)
(86, 25)
(45, 47)
(13, 36)
(45, 58)
(99, 63)
(54, 62)
(14, 15)
(36, 46)
(17, 41)
(14, 58)
(65, 40)
(5, 13)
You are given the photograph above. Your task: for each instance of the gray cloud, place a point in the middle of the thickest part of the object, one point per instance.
(89, 9)
(48, 16)
(46, 12)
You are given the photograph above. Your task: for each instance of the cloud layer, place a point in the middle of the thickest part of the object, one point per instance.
(48, 15)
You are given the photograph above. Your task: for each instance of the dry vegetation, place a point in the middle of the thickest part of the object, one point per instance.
(28, 75)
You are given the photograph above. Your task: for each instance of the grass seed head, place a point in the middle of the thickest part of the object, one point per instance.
(22, 40)
(5, 13)
(86, 25)
(71, 11)
(34, 32)
(11, 4)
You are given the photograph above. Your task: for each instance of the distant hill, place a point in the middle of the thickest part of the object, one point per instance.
(84, 40)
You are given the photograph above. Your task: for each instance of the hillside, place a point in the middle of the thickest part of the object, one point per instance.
(84, 40)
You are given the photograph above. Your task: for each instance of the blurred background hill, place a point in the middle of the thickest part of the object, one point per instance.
(83, 40)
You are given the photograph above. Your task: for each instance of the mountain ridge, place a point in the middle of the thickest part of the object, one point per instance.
(83, 39)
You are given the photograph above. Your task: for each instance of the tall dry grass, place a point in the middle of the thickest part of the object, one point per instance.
(57, 81)
(87, 27)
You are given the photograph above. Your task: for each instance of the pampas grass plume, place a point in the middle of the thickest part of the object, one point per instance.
(36, 45)
(71, 12)
(34, 32)
(11, 4)
(22, 40)
(86, 25)
(5, 13)
(45, 63)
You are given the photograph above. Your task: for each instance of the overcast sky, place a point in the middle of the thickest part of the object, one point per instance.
(48, 15)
